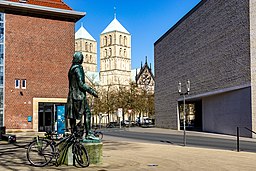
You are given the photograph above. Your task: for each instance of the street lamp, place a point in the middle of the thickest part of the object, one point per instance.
(184, 112)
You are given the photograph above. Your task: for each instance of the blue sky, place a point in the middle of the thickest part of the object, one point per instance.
(146, 20)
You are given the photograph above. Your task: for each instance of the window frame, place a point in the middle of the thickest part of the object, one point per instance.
(17, 83)
(23, 81)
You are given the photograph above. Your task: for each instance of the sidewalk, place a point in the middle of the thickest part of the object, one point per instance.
(122, 155)
(180, 132)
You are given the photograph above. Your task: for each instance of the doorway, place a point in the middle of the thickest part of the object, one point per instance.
(193, 118)
(48, 116)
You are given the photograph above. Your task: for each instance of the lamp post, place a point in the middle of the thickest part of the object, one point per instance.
(184, 106)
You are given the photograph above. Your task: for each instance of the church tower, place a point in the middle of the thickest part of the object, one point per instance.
(86, 44)
(115, 55)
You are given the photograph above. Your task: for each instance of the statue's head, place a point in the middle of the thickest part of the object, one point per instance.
(78, 58)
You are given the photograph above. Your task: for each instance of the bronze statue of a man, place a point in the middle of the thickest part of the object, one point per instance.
(77, 105)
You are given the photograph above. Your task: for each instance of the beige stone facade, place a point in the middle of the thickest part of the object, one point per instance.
(115, 58)
(89, 50)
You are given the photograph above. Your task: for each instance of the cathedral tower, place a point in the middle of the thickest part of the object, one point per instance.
(86, 44)
(115, 55)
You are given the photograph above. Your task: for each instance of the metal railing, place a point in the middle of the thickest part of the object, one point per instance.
(238, 136)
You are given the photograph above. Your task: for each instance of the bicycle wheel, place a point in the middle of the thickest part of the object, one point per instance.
(40, 152)
(99, 135)
(81, 155)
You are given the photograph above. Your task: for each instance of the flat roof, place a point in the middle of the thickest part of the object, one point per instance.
(40, 11)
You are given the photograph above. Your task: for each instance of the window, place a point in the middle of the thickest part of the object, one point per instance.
(125, 41)
(120, 39)
(110, 52)
(106, 53)
(23, 84)
(17, 83)
(125, 53)
(76, 45)
(86, 46)
(86, 58)
(90, 47)
(120, 52)
(106, 41)
(110, 39)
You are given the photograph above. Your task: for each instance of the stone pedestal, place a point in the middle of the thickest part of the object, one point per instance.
(94, 151)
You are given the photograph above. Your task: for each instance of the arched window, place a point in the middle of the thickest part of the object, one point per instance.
(90, 47)
(125, 41)
(110, 39)
(120, 52)
(120, 39)
(90, 58)
(125, 53)
(86, 58)
(86, 46)
(76, 45)
(106, 53)
(110, 52)
(106, 41)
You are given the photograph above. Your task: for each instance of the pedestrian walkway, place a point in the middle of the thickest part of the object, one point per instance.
(122, 155)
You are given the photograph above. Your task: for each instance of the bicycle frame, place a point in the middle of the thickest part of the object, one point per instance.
(67, 142)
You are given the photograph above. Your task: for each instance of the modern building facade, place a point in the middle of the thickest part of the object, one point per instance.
(214, 47)
(36, 49)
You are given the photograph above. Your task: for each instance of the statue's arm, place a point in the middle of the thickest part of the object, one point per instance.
(83, 86)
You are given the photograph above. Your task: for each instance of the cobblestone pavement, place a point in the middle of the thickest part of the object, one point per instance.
(119, 154)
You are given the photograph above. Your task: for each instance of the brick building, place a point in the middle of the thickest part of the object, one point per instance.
(214, 47)
(37, 44)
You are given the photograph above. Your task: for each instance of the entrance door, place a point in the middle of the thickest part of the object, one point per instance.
(193, 119)
(61, 119)
(47, 116)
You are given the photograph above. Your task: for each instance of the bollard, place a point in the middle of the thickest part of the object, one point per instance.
(237, 139)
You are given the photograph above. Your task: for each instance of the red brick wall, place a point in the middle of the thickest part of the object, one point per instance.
(40, 51)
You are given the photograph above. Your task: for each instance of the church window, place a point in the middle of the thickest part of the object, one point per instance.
(110, 39)
(106, 41)
(86, 46)
(125, 41)
(90, 47)
(110, 52)
(120, 52)
(125, 53)
(106, 53)
(120, 39)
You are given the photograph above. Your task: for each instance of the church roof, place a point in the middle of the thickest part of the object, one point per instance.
(49, 3)
(115, 26)
(83, 33)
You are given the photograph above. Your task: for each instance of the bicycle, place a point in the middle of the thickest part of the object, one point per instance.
(40, 152)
